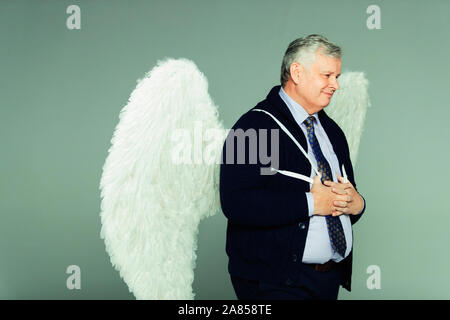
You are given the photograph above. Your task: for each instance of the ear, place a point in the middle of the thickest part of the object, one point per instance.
(296, 71)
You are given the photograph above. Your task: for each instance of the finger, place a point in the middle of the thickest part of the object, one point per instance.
(346, 198)
(316, 180)
(346, 185)
(342, 180)
(340, 204)
(336, 185)
(330, 183)
(336, 213)
(340, 210)
(340, 184)
(339, 191)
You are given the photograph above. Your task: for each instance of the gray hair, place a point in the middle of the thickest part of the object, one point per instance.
(303, 50)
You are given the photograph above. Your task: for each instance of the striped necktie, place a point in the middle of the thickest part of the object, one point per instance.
(334, 225)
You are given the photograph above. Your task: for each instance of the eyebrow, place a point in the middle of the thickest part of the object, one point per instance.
(328, 71)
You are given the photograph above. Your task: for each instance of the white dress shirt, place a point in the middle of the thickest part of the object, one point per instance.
(318, 246)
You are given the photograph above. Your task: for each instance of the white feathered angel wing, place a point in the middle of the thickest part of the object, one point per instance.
(160, 179)
(161, 175)
(348, 108)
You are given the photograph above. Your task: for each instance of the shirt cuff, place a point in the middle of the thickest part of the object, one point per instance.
(310, 199)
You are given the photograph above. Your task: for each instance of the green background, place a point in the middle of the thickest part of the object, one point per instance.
(62, 90)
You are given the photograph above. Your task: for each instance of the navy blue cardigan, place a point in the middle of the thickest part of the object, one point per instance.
(268, 214)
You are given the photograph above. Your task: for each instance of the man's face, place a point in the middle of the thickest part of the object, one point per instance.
(318, 82)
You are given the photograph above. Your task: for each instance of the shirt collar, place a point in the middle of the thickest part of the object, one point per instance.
(298, 112)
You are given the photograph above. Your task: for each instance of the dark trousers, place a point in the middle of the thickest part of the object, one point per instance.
(311, 285)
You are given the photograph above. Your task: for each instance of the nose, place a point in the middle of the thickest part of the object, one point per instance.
(334, 83)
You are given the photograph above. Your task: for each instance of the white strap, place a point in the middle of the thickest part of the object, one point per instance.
(294, 175)
(293, 139)
(289, 173)
(344, 174)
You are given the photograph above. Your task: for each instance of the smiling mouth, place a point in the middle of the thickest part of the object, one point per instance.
(328, 94)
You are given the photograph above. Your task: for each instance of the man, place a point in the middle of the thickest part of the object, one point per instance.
(288, 238)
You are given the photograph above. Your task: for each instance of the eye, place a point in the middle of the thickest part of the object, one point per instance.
(327, 75)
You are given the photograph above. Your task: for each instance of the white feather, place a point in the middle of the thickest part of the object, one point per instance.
(151, 206)
(348, 108)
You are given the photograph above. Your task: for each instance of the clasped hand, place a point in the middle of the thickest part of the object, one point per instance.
(332, 198)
